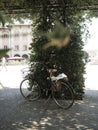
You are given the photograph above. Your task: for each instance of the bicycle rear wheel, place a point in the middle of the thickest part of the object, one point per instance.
(64, 97)
(30, 90)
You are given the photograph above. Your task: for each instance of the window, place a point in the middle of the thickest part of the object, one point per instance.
(5, 36)
(25, 37)
(16, 48)
(25, 48)
(25, 34)
(16, 35)
(5, 46)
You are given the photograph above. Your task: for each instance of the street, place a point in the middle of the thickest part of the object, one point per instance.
(12, 77)
(18, 114)
(91, 81)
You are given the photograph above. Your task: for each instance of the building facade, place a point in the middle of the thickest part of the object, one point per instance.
(17, 38)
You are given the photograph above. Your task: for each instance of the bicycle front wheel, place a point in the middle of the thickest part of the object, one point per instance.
(64, 97)
(30, 90)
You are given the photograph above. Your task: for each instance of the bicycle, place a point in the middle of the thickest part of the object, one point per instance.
(60, 90)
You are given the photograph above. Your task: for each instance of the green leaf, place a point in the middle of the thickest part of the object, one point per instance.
(2, 20)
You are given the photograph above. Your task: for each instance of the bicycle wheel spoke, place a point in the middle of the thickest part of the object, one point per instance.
(64, 97)
(30, 90)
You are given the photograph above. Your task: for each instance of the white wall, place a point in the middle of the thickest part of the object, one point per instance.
(19, 35)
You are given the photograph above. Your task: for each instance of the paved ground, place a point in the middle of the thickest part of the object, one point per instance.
(18, 114)
(12, 77)
(91, 77)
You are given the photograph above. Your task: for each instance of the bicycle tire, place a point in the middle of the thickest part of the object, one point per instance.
(30, 93)
(64, 98)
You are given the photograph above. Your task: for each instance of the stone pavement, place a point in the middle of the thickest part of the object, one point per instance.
(18, 114)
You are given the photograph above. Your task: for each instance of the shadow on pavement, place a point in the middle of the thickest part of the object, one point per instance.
(18, 114)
